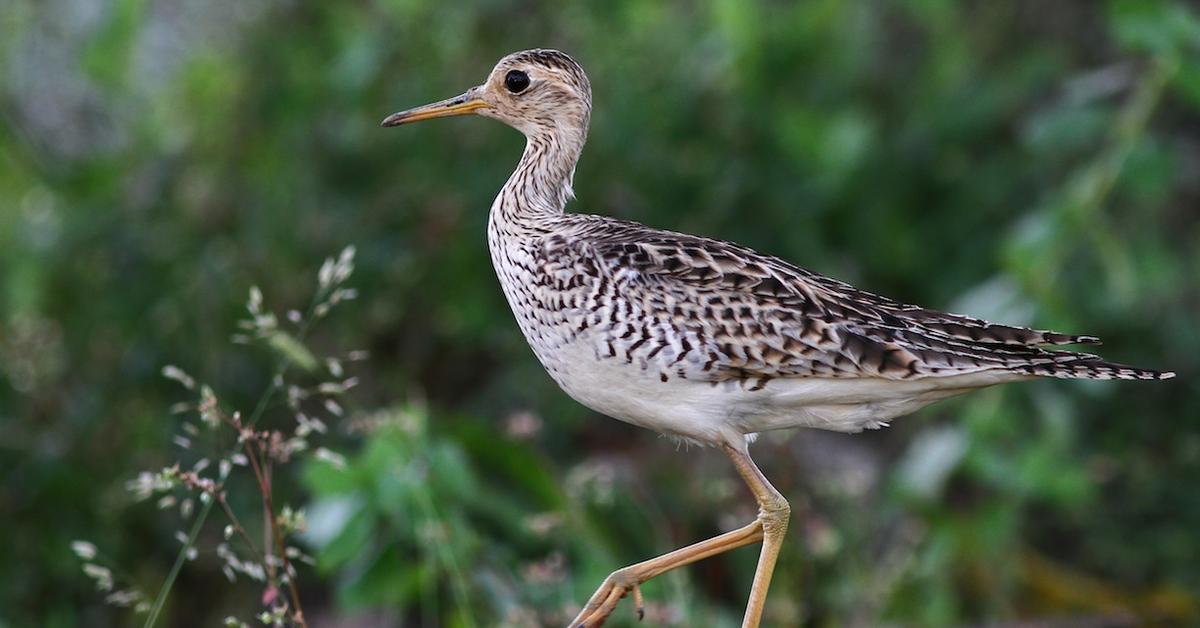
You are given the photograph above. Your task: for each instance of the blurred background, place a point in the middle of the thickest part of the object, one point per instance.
(1028, 162)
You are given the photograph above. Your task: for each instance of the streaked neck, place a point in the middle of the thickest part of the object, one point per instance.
(540, 187)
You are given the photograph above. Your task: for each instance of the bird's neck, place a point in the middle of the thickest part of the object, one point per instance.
(539, 188)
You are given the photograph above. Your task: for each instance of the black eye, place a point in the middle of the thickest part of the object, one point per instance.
(516, 81)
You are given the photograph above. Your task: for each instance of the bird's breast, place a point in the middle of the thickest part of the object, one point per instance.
(582, 331)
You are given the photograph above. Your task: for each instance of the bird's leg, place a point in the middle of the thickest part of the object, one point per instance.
(773, 514)
(768, 527)
(620, 582)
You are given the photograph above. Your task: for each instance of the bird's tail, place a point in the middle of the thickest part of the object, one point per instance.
(1088, 366)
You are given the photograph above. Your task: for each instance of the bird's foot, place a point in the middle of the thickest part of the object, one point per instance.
(604, 601)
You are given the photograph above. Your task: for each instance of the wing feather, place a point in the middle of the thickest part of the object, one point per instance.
(754, 317)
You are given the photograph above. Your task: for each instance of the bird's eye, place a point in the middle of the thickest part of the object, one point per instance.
(516, 81)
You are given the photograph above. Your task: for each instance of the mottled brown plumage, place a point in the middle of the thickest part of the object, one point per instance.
(754, 316)
(708, 340)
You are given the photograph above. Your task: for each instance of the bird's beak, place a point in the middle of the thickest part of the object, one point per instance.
(462, 105)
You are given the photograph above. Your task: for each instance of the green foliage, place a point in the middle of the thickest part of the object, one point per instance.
(1023, 161)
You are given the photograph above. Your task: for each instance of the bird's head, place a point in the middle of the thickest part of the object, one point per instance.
(542, 93)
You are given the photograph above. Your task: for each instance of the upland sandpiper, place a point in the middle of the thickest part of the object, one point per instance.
(705, 340)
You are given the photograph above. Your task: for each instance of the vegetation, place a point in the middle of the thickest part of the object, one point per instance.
(1028, 162)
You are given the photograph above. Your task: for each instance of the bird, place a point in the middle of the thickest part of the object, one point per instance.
(706, 340)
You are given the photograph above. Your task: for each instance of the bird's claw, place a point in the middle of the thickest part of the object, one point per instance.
(604, 601)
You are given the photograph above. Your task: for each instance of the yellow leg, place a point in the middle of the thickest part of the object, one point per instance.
(773, 513)
(769, 527)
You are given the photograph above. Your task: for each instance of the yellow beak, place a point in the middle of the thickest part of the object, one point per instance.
(457, 106)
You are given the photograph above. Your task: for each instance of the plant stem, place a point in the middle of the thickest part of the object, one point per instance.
(264, 486)
(161, 599)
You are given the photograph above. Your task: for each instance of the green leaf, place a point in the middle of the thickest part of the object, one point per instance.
(348, 543)
(1187, 81)
(293, 351)
(1155, 26)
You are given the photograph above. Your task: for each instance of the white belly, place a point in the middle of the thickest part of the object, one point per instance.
(708, 412)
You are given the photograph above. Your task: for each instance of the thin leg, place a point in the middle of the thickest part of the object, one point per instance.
(769, 527)
(773, 513)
